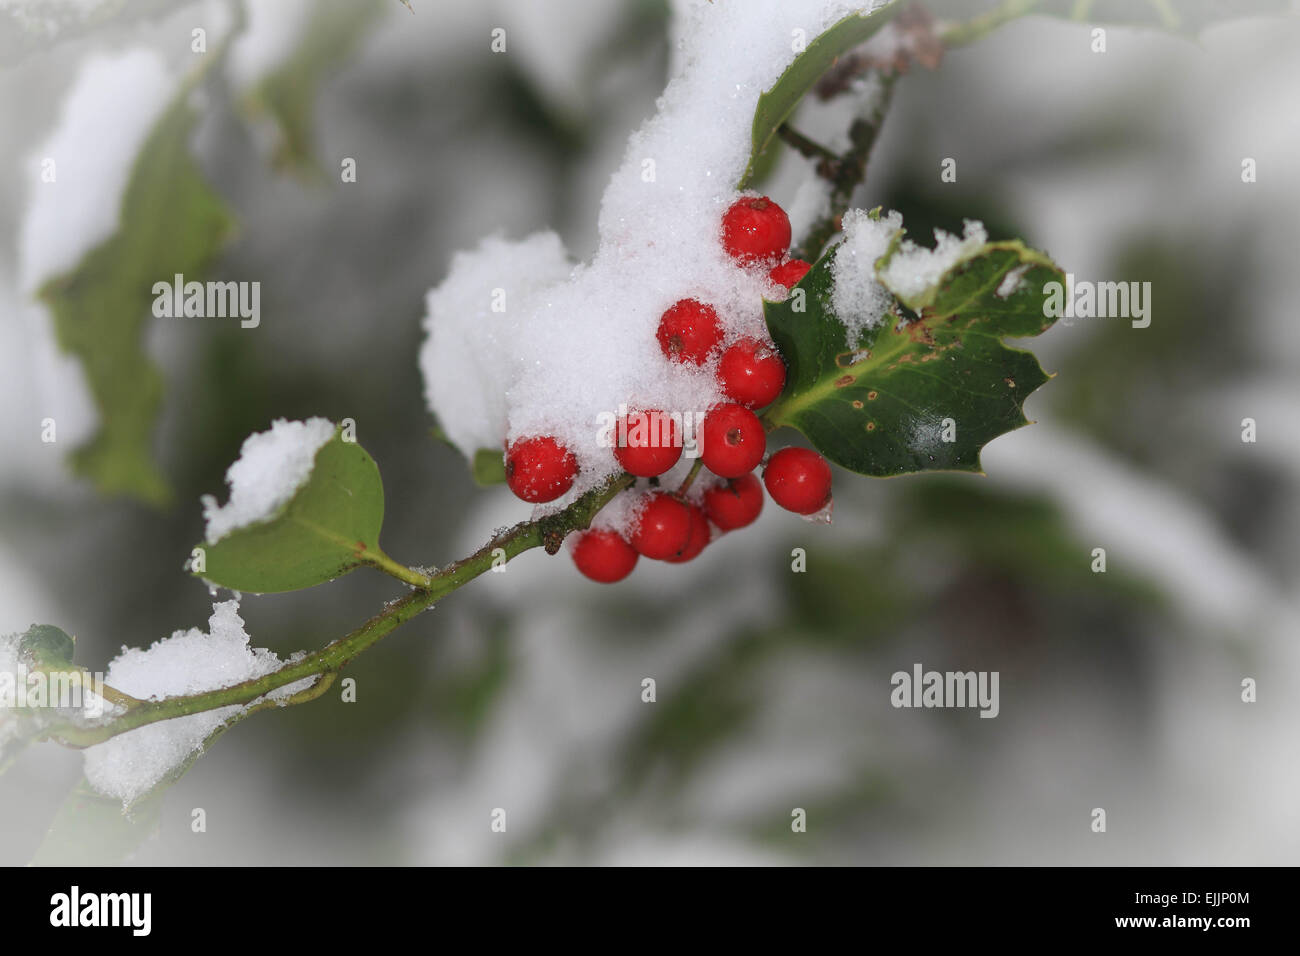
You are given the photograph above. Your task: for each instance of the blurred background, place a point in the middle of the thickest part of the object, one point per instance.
(1120, 690)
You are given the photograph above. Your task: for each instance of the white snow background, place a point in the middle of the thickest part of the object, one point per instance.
(1201, 779)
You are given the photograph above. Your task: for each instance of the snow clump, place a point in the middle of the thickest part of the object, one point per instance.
(271, 467)
(188, 662)
(523, 342)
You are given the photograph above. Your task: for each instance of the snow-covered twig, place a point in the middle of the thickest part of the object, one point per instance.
(547, 532)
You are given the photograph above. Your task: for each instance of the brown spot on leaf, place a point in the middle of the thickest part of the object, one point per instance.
(844, 380)
(903, 359)
(857, 404)
(920, 333)
(871, 426)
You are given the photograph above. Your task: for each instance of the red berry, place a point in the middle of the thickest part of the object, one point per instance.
(755, 229)
(734, 440)
(647, 443)
(752, 373)
(798, 480)
(689, 331)
(700, 535)
(663, 529)
(604, 556)
(540, 469)
(734, 504)
(789, 272)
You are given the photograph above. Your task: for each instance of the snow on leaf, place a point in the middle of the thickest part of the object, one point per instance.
(914, 395)
(168, 222)
(522, 342)
(295, 528)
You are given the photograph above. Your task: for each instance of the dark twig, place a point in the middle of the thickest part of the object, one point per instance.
(848, 172)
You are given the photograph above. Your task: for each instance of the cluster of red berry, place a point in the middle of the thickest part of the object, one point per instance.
(751, 373)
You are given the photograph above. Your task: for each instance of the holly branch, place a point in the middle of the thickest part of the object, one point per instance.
(547, 532)
(844, 174)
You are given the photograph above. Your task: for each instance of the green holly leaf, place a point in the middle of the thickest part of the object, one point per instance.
(919, 394)
(170, 222)
(489, 466)
(776, 105)
(329, 527)
(47, 648)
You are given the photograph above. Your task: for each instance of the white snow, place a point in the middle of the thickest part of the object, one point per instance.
(812, 201)
(188, 662)
(9, 660)
(468, 360)
(858, 300)
(271, 467)
(113, 104)
(1011, 282)
(573, 345)
(913, 269)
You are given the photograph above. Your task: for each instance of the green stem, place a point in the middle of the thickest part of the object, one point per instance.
(547, 532)
(116, 697)
(377, 559)
(690, 476)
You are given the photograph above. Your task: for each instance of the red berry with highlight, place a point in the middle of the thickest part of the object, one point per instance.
(752, 373)
(700, 535)
(789, 272)
(733, 440)
(663, 528)
(798, 480)
(540, 469)
(647, 443)
(604, 556)
(755, 229)
(734, 504)
(689, 331)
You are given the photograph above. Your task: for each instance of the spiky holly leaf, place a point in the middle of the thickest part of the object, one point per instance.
(776, 104)
(922, 393)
